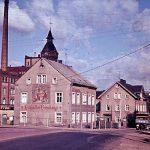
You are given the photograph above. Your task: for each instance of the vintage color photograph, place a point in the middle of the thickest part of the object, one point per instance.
(75, 75)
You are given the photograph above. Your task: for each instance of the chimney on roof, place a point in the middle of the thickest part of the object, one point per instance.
(122, 81)
(4, 54)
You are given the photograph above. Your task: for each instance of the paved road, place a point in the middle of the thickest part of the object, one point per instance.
(75, 140)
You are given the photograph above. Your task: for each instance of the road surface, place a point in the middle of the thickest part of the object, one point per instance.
(53, 139)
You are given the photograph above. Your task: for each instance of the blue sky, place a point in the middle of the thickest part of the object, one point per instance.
(87, 33)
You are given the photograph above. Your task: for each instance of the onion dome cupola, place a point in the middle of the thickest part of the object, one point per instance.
(49, 51)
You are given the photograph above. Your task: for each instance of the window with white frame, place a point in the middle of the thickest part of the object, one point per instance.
(107, 96)
(119, 95)
(89, 117)
(41, 79)
(28, 80)
(23, 117)
(54, 80)
(24, 97)
(89, 99)
(58, 97)
(117, 108)
(115, 95)
(93, 100)
(77, 117)
(107, 107)
(4, 101)
(58, 117)
(126, 96)
(93, 117)
(4, 91)
(73, 97)
(140, 107)
(12, 91)
(12, 102)
(126, 107)
(144, 108)
(78, 98)
(84, 99)
(117, 119)
(73, 117)
(84, 117)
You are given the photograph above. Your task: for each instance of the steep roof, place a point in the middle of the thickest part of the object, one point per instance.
(133, 90)
(70, 74)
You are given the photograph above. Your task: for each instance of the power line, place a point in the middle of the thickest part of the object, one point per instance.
(107, 63)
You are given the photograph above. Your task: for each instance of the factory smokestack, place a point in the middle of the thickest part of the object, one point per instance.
(4, 54)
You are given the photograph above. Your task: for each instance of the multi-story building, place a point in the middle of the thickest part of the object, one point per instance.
(121, 102)
(51, 93)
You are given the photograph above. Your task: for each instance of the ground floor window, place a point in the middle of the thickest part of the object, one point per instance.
(58, 117)
(89, 117)
(84, 117)
(93, 117)
(117, 119)
(78, 117)
(23, 117)
(73, 117)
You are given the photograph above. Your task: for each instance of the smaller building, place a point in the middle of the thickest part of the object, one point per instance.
(120, 103)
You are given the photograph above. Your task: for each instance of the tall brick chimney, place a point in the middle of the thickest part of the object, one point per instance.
(4, 54)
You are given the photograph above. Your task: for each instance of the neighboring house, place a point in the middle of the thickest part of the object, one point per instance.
(121, 102)
(53, 94)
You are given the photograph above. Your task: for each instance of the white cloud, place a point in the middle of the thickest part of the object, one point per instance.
(18, 18)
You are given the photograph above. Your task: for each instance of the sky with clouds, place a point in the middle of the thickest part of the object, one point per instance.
(87, 33)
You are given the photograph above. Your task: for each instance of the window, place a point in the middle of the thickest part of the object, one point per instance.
(107, 107)
(107, 96)
(41, 79)
(115, 95)
(12, 102)
(117, 108)
(78, 98)
(140, 107)
(54, 80)
(126, 96)
(126, 107)
(5, 79)
(77, 117)
(89, 99)
(4, 101)
(89, 117)
(73, 117)
(144, 108)
(93, 117)
(117, 119)
(12, 91)
(93, 100)
(23, 117)
(4, 91)
(28, 80)
(12, 80)
(73, 98)
(58, 97)
(84, 100)
(58, 117)
(24, 97)
(84, 117)
(119, 96)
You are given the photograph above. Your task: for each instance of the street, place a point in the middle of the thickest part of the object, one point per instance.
(67, 139)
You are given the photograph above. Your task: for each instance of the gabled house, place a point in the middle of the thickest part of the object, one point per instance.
(121, 102)
(53, 94)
